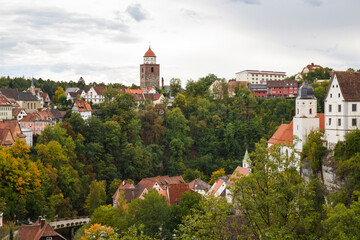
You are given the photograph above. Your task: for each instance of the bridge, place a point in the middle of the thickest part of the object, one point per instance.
(69, 223)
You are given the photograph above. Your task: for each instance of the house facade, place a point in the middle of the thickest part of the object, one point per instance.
(38, 121)
(286, 88)
(9, 132)
(83, 108)
(5, 108)
(95, 95)
(259, 77)
(342, 106)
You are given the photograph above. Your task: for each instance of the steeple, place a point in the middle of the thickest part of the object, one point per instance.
(149, 57)
(32, 87)
(246, 160)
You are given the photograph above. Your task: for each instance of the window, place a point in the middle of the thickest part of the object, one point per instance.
(35, 129)
(297, 111)
(354, 122)
(339, 95)
(330, 107)
(339, 108)
(354, 107)
(48, 238)
(329, 121)
(152, 69)
(339, 122)
(330, 95)
(310, 111)
(30, 124)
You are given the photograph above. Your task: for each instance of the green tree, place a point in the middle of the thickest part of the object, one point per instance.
(96, 197)
(313, 150)
(153, 212)
(207, 222)
(274, 199)
(175, 86)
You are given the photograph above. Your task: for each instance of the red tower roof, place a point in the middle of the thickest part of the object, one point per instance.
(149, 53)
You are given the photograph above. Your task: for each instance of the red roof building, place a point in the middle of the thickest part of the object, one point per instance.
(39, 231)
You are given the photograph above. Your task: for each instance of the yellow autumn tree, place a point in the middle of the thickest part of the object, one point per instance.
(99, 232)
(216, 174)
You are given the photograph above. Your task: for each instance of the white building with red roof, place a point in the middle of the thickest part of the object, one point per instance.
(95, 94)
(83, 108)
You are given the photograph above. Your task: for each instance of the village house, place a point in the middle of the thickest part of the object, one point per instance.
(37, 121)
(73, 94)
(222, 186)
(95, 95)
(28, 102)
(170, 187)
(18, 113)
(342, 106)
(39, 94)
(83, 108)
(285, 88)
(9, 131)
(199, 186)
(5, 108)
(259, 77)
(219, 88)
(40, 230)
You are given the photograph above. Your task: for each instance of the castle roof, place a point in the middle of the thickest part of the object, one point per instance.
(149, 53)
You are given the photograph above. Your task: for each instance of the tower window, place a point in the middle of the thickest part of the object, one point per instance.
(152, 69)
(329, 121)
(339, 122)
(339, 108)
(310, 111)
(142, 70)
(330, 107)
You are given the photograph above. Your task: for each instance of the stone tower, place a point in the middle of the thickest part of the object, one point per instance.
(306, 118)
(149, 71)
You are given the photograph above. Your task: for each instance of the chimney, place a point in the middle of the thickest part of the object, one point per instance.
(42, 222)
(39, 219)
(162, 82)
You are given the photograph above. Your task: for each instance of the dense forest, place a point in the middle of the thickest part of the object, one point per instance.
(76, 166)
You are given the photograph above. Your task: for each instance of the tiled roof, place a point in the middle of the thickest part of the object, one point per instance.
(238, 173)
(16, 111)
(4, 134)
(176, 191)
(83, 106)
(149, 53)
(12, 125)
(10, 93)
(99, 90)
(36, 232)
(56, 113)
(349, 83)
(163, 181)
(152, 96)
(282, 83)
(198, 184)
(217, 185)
(25, 96)
(72, 89)
(123, 185)
(283, 134)
(4, 101)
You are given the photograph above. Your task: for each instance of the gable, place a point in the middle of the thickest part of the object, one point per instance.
(349, 84)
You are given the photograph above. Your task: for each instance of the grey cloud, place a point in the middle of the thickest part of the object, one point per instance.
(61, 19)
(315, 3)
(136, 12)
(251, 2)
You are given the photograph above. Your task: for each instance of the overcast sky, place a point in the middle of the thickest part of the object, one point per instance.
(104, 41)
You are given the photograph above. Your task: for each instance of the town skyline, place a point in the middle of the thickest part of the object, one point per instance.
(106, 43)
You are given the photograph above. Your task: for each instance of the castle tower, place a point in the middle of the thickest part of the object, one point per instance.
(149, 71)
(305, 119)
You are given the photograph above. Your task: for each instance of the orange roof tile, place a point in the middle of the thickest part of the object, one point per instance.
(283, 134)
(83, 106)
(238, 173)
(176, 191)
(149, 53)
